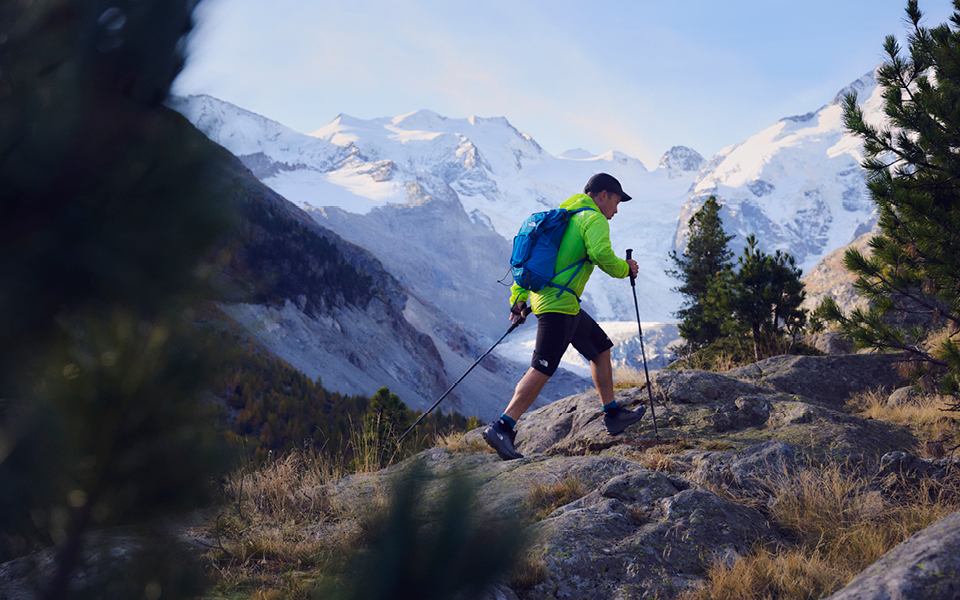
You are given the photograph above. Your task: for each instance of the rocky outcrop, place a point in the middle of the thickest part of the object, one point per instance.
(637, 528)
(826, 379)
(925, 566)
(831, 278)
(642, 534)
(634, 533)
(749, 470)
(697, 407)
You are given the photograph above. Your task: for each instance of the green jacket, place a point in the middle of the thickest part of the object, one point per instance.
(587, 235)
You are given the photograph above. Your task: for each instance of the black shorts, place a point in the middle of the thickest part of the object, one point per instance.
(556, 331)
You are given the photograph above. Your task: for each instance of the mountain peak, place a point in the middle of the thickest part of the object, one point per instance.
(423, 120)
(577, 154)
(867, 82)
(681, 159)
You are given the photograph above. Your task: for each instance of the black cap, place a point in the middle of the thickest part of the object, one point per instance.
(601, 182)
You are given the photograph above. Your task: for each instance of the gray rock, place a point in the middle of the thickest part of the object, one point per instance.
(924, 567)
(500, 592)
(700, 387)
(827, 434)
(830, 343)
(903, 473)
(745, 411)
(574, 424)
(747, 470)
(764, 462)
(902, 396)
(700, 406)
(642, 536)
(827, 379)
(709, 467)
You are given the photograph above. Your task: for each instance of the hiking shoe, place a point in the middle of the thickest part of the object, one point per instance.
(625, 418)
(501, 441)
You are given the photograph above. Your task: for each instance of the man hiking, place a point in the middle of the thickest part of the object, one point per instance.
(561, 321)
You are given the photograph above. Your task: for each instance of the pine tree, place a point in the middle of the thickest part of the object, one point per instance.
(762, 296)
(704, 257)
(388, 415)
(913, 176)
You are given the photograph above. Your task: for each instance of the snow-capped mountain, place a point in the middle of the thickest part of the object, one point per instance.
(497, 174)
(797, 185)
(438, 201)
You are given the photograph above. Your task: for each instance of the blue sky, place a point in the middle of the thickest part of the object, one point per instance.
(637, 76)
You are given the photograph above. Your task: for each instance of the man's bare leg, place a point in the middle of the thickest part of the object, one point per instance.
(527, 391)
(620, 419)
(602, 372)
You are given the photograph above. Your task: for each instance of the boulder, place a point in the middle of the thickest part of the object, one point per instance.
(826, 379)
(901, 396)
(745, 411)
(826, 434)
(643, 534)
(902, 472)
(830, 343)
(925, 566)
(574, 425)
(634, 532)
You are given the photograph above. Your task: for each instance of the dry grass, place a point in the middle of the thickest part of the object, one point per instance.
(282, 531)
(454, 442)
(925, 416)
(528, 572)
(658, 458)
(835, 531)
(546, 498)
(628, 377)
(766, 575)
(372, 451)
(718, 362)
(276, 491)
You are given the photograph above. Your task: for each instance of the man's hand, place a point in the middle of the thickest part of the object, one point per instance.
(634, 268)
(519, 312)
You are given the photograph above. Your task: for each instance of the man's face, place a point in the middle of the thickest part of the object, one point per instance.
(607, 202)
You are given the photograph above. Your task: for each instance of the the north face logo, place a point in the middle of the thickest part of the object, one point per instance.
(544, 363)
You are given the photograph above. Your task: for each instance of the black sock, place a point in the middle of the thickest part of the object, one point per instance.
(612, 410)
(505, 424)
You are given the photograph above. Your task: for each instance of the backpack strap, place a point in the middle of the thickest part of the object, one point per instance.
(575, 266)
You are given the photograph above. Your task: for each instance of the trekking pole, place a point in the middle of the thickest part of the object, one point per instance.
(513, 326)
(633, 285)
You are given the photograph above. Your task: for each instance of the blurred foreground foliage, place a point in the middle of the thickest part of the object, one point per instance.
(106, 214)
(112, 221)
(430, 544)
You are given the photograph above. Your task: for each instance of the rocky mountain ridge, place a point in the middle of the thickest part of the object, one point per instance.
(330, 308)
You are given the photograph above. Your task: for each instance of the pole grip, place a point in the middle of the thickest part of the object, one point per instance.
(633, 280)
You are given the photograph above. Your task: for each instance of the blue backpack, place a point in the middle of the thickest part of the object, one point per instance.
(535, 248)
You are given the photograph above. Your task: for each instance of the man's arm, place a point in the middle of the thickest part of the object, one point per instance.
(596, 238)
